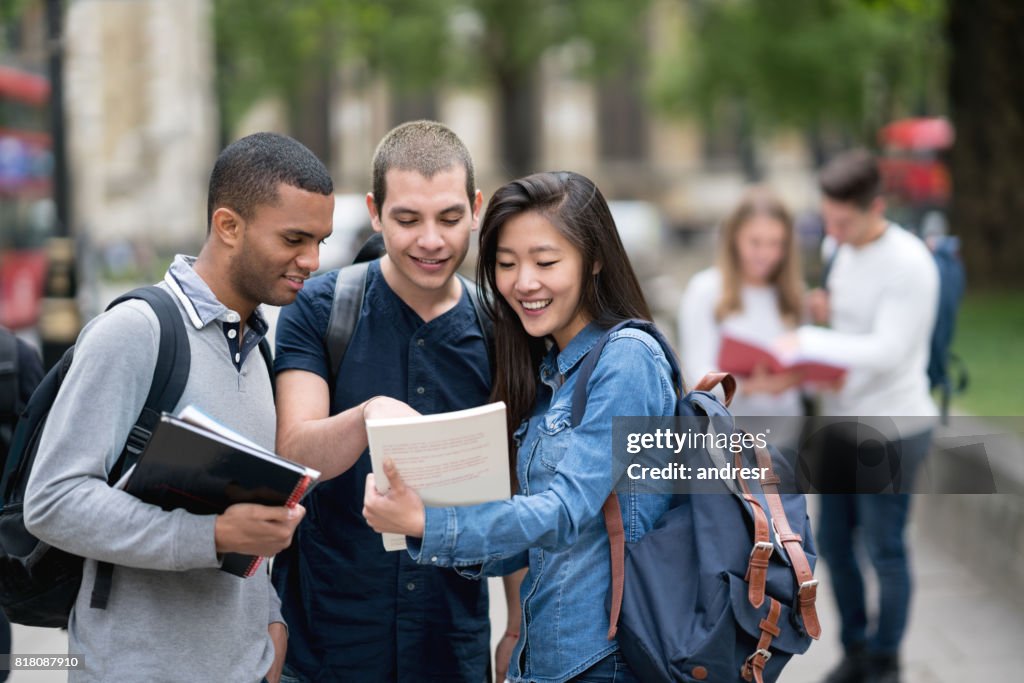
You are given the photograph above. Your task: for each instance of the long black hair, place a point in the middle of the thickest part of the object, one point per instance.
(576, 208)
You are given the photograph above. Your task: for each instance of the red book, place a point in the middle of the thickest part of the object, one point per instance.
(742, 356)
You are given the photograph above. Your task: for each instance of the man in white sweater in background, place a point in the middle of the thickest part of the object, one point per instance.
(880, 302)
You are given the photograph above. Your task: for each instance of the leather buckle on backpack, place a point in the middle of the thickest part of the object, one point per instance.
(763, 545)
(813, 583)
(747, 671)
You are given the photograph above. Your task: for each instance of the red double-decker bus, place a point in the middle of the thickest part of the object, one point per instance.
(27, 216)
(914, 169)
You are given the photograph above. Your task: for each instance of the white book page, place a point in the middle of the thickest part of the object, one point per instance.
(194, 416)
(456, 458)
(123, 481)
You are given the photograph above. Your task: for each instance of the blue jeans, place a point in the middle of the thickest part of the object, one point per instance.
(880, 520)
(611, 669)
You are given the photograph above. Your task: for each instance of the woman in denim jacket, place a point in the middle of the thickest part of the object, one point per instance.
(549, 248)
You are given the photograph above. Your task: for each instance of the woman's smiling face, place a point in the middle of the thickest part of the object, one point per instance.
(539, 273)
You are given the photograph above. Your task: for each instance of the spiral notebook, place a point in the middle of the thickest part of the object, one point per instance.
(193, 462)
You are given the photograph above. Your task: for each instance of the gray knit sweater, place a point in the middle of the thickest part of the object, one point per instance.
(173, 615)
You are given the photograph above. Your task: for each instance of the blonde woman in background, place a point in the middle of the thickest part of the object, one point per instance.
(754, 293)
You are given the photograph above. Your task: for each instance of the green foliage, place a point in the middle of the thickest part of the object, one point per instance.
(988, 334)
(271, 47)
(516, 35)
(408, 40)
(274, 48)
(808, 62)
(258, 44)
(12, 10)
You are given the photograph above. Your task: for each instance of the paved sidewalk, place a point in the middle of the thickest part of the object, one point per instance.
(44, 641)
(962, 630)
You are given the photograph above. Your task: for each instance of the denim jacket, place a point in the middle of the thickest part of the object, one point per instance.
(555, 525)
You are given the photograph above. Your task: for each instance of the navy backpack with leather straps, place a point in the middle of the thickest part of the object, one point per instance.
(722, 588)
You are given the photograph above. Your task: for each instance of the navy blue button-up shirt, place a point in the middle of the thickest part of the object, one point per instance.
(356, 612)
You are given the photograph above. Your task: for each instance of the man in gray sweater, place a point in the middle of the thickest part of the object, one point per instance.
(172, 614)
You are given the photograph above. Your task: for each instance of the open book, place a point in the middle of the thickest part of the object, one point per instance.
(456, 458)
(194, 462)
(742, 356)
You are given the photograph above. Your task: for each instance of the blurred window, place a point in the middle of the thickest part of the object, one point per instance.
(622, 117)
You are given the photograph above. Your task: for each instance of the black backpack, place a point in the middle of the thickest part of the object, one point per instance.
(10, 398)
(39, 583)
(10, 391)
(722, 587)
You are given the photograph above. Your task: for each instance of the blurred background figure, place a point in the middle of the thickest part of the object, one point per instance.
(882, 294)
(754, 292)
(21, 370)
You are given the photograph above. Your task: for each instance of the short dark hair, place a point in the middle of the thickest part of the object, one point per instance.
(248, 171)
(852, 177)
(427, 147)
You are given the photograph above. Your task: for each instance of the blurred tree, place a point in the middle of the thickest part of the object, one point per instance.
(840, 66)
(12, 10)
(513, 38)
(986, 92)
(293, 49)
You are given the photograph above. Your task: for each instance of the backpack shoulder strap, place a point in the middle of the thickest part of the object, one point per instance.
(174, 359)
(345, 308)
(8, 374)
(21, 454)
(268, 359)
(483, 318)
(611, 510)
(807, 589)
(173, 362)
(713, 379)
(589, 362)
(347, 304)
(699, 401)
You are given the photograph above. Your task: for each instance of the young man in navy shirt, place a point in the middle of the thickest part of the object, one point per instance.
(355, 611)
